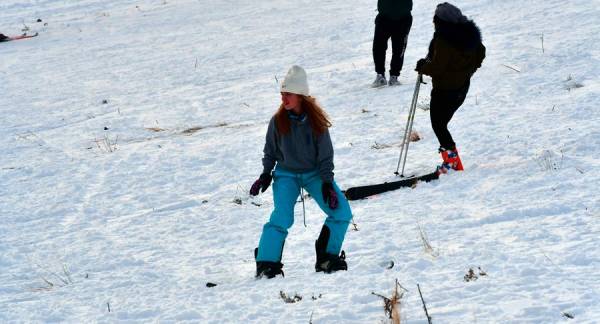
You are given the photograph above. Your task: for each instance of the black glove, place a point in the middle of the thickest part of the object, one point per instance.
(329, 195)
(420, 64)
(263, 182)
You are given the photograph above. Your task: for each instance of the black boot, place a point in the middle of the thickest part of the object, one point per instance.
(326, 262)
(267, 269)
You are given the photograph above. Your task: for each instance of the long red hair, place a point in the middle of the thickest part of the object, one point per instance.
(317, 117)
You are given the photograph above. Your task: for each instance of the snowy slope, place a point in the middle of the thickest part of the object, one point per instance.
(131, 128)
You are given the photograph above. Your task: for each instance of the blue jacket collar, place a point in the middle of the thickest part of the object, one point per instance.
(301, 118)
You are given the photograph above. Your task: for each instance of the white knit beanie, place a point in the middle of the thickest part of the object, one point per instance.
(295, 81)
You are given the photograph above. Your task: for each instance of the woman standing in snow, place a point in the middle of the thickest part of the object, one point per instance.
(299, 148)
(455, 53)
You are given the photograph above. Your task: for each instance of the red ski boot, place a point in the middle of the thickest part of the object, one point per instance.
(451, 161)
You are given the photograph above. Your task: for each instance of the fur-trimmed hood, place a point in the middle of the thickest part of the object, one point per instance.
(465, 36)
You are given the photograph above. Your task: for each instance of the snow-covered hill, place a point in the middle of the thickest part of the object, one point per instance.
(132, 130)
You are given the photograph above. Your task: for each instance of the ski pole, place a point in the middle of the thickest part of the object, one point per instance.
(408, 128)
(303, 208)
(412, 119)
(404, 148)
(404, 138)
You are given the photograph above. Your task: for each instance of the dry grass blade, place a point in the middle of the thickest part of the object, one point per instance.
(392, 306)
(106, 144)
(61, 279)
(427, 248)
(290, 300)
(396, 303)
(155, 129)
(191, 130)
(512, 68)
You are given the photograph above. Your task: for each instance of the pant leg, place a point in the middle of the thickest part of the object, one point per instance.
(337, 219)
(286, 189)
(380, 44)
(443, 105)
(399, 40)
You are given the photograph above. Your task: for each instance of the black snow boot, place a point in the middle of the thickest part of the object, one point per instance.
(326, 262)
(267, 269)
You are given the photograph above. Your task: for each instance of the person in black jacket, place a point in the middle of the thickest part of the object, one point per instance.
(393, 21)
(455, 53)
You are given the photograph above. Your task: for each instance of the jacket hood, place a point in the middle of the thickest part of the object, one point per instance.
(464, 36)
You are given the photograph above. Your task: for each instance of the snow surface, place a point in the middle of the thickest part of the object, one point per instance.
(181, 92)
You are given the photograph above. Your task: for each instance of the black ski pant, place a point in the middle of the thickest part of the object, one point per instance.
(443, 105)
(398, 31)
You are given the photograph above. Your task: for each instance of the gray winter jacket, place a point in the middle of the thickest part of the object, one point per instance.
(301, 150)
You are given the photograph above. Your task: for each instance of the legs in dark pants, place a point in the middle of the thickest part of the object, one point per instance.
(444, 104)
(380, 40)
(398, 31)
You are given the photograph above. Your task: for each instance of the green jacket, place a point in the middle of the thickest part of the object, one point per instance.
(394, 9)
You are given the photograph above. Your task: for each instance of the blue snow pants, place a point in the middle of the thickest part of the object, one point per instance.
(286, 189)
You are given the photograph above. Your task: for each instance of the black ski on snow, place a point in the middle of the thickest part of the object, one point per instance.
(4, 38)
(362, 192)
